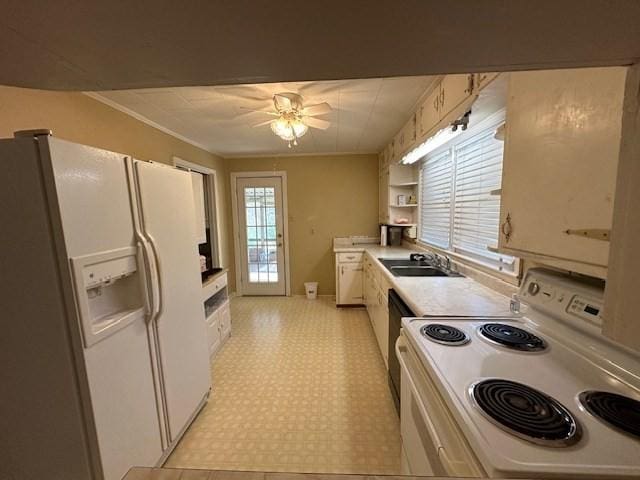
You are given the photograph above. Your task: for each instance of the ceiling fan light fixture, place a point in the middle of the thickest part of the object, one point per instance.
(299, 128)
(289, 130)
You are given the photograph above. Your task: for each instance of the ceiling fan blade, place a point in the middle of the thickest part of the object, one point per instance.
(260, 111)
(316, 123)
(318, 109)
(281, 102)
(262, 123)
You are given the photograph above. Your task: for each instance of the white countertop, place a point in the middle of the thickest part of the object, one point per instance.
(443, 296)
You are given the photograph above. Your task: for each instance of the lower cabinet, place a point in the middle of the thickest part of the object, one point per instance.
(218, 328)
(376, 290)
(217, 312)
(349, 279)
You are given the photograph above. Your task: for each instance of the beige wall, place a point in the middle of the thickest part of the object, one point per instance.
(328, 196)
(78, 118)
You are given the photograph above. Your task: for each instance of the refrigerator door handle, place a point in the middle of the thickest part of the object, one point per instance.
(151, 280)
(155, 278)
(142, 265)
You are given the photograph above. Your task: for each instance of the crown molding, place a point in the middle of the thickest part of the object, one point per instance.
(151, 123)
(305, 154)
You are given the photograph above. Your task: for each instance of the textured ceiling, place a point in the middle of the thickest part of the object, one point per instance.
(118, 44)
(366, 114)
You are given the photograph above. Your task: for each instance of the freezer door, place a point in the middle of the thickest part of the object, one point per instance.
(167, 211)
(96, 213)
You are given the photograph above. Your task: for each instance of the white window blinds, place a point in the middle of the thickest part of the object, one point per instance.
(476, 213)
(435, 201)
(457, 209)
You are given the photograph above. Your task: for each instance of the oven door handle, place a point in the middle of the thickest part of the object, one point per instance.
(401, 352)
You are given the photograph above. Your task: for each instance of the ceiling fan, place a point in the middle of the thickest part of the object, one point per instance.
(293, 117)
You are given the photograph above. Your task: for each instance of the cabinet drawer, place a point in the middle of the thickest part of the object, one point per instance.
(213, 287)
(350, 257)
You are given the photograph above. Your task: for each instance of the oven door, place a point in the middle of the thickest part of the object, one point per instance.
(431, 440)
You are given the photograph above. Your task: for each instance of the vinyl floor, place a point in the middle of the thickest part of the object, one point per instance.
(299, 387)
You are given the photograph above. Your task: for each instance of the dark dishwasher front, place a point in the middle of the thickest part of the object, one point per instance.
(397, 310)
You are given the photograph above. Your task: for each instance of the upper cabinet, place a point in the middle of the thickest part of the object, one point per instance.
(563, 134)
(406, 138)
(429, 112)
(481, 80)
(441, 105)
(454, 89)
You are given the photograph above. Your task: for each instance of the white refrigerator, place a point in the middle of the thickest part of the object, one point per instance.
(104, 352)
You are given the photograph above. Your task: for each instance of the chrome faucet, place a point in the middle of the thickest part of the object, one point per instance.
(422, 257)
(442, 261)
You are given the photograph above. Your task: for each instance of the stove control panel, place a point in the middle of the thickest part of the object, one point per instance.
(586, 309)
(562, 296)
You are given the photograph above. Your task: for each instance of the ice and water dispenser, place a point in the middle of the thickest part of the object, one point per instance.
(109, 291)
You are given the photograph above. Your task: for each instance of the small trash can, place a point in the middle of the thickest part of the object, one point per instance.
(312, 290)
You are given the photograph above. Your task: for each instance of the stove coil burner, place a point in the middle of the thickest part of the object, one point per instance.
(444, 334)
(617, 411)
(512, 337)
(526, 412)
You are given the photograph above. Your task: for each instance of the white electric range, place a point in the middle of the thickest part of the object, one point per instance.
(521, 397)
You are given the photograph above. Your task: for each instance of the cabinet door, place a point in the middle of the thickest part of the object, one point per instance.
(214, 335)
(454, 90)
(370, 297)
(365, 285)
(409, 135)
(383, 196)
(429, 113)
(383, 327)
(398, 142)
(481, 80)
(560, 161)
(350, 283)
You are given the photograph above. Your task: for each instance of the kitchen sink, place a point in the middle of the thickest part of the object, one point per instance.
(415, 268)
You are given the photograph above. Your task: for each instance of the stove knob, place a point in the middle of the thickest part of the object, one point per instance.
(533, 288)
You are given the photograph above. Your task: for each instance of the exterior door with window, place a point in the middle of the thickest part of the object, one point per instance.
(261, 230)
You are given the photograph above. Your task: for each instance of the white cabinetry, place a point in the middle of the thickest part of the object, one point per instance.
(561, 153)
(397, 180)
(483, 79)
(406, 138)
(443, 104)
(621, 301)
(454, 90)
(217, 312)
(383, 192)
(349, 278)
(376, 289)
(429, 113)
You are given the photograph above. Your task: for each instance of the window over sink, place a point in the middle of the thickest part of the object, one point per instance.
(460, 196)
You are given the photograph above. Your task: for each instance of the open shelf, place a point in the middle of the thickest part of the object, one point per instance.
(401, 224)
(408, 205)
(403, 184)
